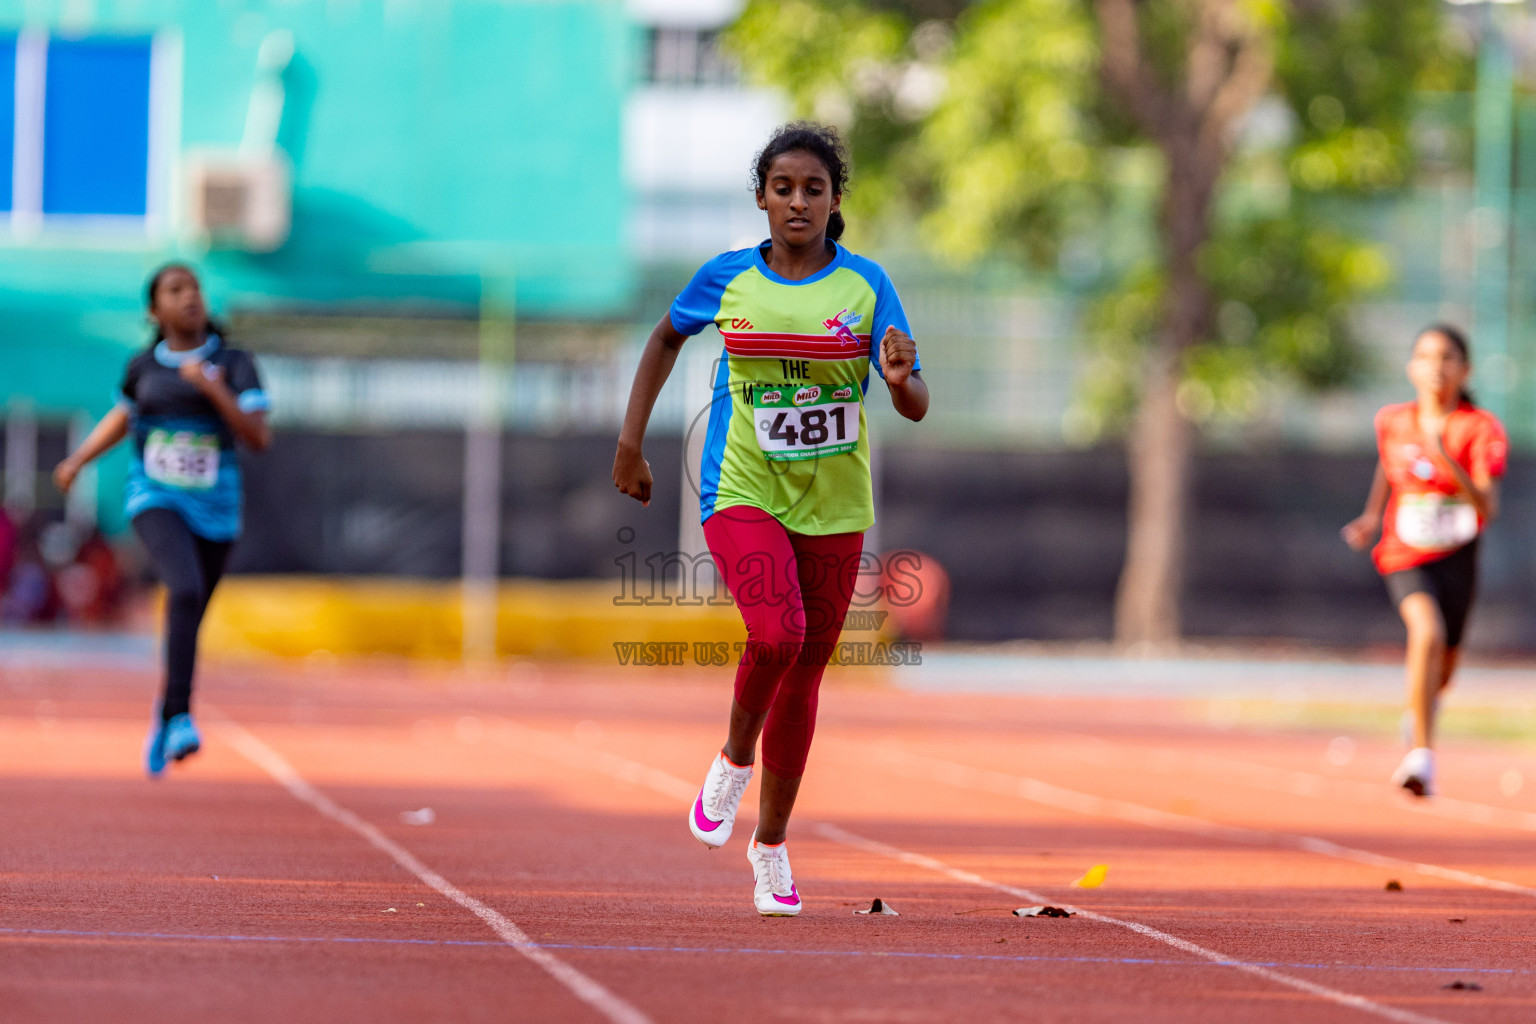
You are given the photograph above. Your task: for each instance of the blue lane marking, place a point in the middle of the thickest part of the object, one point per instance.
(749, 951)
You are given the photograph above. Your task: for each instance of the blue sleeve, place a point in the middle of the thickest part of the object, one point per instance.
(254, 400)
(697, 305)
(888, 312)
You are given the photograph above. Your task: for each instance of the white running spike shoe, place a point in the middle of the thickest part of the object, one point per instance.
(1416, 773)
(713, 813)
(773, 893)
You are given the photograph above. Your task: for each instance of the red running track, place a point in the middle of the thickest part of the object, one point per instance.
(272, 877)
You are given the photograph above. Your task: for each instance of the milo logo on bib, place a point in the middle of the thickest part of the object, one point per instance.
(817, 422)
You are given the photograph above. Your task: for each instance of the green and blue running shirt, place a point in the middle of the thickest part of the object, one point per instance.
(184, 456)
(786, 430)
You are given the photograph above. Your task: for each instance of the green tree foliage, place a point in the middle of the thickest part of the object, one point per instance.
(1197, 151)
(989, 128)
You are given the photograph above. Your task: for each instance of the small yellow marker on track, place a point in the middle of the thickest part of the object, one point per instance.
(1093, 877)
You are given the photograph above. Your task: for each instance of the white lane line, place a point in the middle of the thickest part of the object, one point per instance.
(1165, 761)
(965, 777)
(1333, 995)
(285, 775)
(986, 780)
(567, 752)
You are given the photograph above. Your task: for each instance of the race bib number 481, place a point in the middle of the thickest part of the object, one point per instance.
(807, 422)
(183, 459)
(1434, 522)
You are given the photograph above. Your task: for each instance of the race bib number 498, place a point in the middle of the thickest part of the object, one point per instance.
(806, 422)
(183, 459)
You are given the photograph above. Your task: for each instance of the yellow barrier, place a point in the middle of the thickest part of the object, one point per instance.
(299, 616)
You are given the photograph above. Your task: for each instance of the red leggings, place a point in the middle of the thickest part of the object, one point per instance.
(793, 592)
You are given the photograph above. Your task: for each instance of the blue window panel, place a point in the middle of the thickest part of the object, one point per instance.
(96, 127)
(7, 118)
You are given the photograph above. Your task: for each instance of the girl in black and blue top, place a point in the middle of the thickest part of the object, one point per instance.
(186, 401)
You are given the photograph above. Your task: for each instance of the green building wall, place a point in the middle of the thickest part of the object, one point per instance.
(444, 152)
(440, 148)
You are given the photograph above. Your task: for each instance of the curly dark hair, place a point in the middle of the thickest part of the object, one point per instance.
(820, 141)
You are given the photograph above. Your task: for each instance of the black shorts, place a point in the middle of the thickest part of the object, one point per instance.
(1451, 581)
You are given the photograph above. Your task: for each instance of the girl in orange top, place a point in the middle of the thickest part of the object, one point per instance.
(1436, 489)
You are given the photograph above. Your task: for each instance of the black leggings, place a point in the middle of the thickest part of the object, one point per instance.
(190, 567)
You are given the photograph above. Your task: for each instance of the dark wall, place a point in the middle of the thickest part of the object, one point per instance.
(52, 446)
(392, 504)
(1032, 540)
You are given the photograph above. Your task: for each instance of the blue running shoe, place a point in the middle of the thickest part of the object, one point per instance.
(181, 738)
(154, 749)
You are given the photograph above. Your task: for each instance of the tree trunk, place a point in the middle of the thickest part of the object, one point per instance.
(1227, 68)
(1147, 602)
(1149, 599)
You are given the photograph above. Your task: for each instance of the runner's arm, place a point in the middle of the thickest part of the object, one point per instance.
(112, 429)
(1482, 491)
(1362, 530)
(631, 473)
(898, 359)
(249, 427)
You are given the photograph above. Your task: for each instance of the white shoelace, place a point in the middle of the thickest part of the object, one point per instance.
(776, 861)
(729, 785)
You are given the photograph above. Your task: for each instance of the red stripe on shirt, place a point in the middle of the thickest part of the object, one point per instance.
(770, 336)
(819, 346)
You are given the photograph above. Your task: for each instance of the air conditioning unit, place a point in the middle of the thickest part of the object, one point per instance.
(239, 201)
